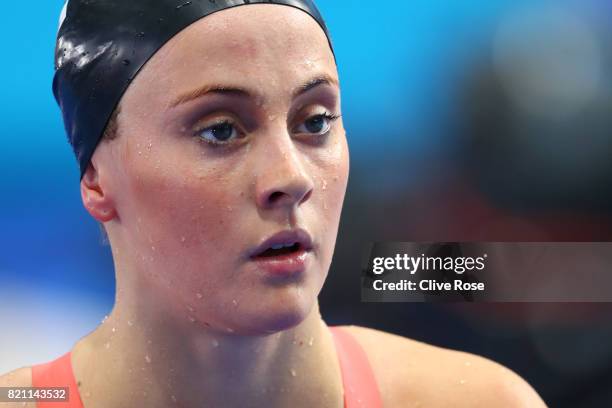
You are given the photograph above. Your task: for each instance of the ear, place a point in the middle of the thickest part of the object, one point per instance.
(95, 199)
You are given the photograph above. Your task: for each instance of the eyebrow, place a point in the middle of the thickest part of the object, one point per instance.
(245, 93)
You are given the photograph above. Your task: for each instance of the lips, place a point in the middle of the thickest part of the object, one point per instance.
(283, 243)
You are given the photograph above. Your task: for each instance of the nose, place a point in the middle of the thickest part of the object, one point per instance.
(283, 180)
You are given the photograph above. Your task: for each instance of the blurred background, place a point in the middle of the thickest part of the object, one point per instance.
(467, 121)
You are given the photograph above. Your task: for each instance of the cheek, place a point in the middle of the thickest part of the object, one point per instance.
(335, 176)
(175, 209)
(332, 185)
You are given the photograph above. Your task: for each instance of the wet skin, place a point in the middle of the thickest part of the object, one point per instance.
(196, 323)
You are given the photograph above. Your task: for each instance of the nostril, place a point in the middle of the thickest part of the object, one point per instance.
(306, 196)
(275, 196)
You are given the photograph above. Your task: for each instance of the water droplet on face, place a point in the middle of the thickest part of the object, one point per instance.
(324, 185)
(190, 308)
(230, 330)
(148, 359)
(467, 364)
(107, 345)
(173, 398)
(113, 329)
(130, 323)
(293, 373)
(192, 319)
(234, 302)
(462, 381)
(183, 239)
(199, 295)
(105, 318)
(215, 343)
(310, 341)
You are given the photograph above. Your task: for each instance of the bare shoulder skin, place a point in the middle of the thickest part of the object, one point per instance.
(21, 377)
(414, 374)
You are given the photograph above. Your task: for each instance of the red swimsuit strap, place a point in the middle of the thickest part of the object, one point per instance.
(57, 373)
(359, 383)
(360, 387)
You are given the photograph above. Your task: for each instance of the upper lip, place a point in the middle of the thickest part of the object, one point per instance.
(300, 236)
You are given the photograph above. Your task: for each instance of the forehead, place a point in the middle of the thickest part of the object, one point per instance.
(242, 44)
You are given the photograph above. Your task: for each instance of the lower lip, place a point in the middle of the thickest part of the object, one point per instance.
(283, 265)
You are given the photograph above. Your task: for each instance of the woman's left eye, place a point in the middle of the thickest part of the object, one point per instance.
(319, 124)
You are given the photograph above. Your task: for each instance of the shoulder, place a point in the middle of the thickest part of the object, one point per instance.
(411, 372)
(22, 377)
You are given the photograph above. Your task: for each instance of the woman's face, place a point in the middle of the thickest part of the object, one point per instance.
(228, 136)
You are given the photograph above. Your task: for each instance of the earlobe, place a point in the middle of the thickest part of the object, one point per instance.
(95, 198)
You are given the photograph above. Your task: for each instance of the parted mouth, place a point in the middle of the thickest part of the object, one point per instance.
(283, 242)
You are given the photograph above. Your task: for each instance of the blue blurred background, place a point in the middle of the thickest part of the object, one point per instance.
(467, 120)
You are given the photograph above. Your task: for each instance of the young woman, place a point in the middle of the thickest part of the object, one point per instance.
(220, 183)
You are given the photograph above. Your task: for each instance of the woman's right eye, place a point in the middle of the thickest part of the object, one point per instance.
(221, 133)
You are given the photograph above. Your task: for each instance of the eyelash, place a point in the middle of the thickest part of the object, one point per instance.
(326, 115)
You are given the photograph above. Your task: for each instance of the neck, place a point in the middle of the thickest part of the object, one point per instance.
(150, 357)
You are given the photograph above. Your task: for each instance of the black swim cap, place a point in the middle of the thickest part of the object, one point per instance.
(101, 46)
